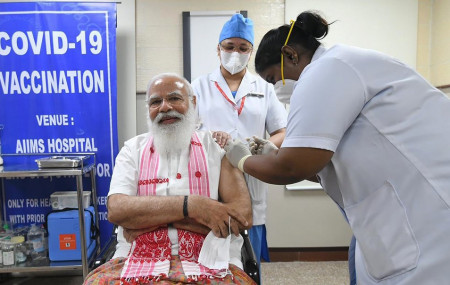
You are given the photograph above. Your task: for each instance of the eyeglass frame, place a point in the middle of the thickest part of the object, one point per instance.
(172, 96)
(237, 49)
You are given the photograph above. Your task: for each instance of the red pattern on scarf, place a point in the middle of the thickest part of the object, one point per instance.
(149, 246)
(190, 245)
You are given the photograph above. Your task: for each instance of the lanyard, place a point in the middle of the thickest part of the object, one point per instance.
(231, 102)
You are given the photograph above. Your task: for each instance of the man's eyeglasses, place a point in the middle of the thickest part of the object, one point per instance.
(172, 100)
(241, 49)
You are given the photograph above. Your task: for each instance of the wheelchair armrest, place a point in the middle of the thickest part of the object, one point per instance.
(249, 259)
(108, 251)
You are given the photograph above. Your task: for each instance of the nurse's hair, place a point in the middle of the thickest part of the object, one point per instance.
(309, 27)
(165, 75)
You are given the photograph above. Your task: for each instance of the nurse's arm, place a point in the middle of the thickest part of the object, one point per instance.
(287, 165)
(277, 137)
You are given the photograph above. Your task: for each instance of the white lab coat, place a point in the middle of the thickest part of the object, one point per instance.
(389, 130)
(261, 112)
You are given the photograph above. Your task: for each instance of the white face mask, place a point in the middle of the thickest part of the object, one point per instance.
(284, 92)
(215, 252)
(234, 62)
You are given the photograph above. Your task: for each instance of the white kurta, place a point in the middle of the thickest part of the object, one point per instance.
(389, 130)
(126, 175)
(261, 112)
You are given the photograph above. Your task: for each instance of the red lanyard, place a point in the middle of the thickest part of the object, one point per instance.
(231, 102)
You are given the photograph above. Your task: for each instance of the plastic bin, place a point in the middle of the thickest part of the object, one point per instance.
(68, 199)
(64, 241)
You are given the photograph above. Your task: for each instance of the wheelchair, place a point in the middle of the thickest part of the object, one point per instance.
(251, 267)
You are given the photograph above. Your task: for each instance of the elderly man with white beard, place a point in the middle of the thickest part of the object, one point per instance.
(172, 192)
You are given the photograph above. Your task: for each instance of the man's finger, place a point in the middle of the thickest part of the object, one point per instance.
(222, 231)
(216, 231)
(234, 227)
(238, 217)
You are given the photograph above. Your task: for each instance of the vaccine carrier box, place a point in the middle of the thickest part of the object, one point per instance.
(64, 242)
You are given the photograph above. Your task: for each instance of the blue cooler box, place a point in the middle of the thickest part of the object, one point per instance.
(64, 241)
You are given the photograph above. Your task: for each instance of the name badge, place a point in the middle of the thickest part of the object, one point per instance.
(255, 94)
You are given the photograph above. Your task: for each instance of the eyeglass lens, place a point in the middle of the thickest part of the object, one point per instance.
(240, 49)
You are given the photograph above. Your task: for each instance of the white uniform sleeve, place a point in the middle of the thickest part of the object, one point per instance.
(276, 113)
(326, 100)
(125, 175)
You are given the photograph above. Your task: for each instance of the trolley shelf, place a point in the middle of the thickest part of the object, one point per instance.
(23, 166)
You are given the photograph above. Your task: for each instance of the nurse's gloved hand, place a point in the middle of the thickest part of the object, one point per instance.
(237, 152)
(252, 145)
(263, 146)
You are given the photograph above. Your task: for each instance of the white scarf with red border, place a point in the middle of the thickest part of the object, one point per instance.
(150, 253)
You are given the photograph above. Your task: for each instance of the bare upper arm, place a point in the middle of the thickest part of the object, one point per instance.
(277, 137)
(233, 191)
(279, 131)
(232, 184)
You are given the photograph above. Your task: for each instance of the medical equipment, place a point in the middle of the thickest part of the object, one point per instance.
(61, 161)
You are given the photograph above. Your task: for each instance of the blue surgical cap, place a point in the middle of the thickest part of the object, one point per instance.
(238, 27)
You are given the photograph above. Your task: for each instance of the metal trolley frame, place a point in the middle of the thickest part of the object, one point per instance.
(32, 170)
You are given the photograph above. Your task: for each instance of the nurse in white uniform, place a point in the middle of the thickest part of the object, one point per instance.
(234, 101)
(376, 135)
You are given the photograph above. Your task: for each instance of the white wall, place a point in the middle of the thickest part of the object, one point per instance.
(126, 70)
(440, 43)
(384, 25)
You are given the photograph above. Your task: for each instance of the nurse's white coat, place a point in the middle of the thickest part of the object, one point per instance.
(390, 131)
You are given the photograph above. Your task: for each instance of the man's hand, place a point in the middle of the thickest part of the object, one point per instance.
(260, 146)
(215, 215)
(236, 150)
(221, 138)
(131, 235)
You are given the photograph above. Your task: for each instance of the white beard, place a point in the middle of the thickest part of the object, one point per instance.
(173, 137)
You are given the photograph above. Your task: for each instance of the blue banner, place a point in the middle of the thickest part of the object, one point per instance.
(58, 94)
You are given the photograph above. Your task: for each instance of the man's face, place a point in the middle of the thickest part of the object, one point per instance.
(168, 94)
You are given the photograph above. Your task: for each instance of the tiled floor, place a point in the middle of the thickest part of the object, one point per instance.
(305, 273)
